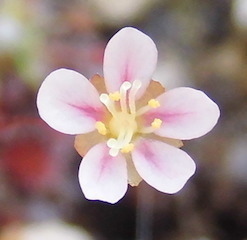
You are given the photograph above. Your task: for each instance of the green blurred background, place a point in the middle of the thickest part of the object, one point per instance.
(201, 44)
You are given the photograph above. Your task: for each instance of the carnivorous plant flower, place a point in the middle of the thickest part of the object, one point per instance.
(128, 127)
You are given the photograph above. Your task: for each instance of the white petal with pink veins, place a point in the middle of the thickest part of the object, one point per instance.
(129, 55)
(162, 166)
(101, 176)
(68, 102)
(186, 113)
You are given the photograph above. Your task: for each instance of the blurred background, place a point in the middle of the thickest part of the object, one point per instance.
(201, 44)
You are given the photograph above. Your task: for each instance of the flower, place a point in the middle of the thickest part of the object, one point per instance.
(130, 133)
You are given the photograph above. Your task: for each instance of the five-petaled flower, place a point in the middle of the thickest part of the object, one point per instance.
(128, 127)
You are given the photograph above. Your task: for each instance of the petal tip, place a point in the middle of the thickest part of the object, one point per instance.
(189, 113)
(66, 99)
(129, 55)
(101, 176)
(162, 166)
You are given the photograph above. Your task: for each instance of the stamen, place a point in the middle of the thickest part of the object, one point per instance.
(156, 123)
(116, 143)
(153, 103)
(128, 148)
(122, 141)
(124, 138)
(143, 110)
(115, 96)
(135, 87)
(105, 99)
(100, 126)
(127, 138)
(147, 130)
(123, 92)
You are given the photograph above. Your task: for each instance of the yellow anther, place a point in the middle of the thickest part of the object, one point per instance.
(100, 126)
(128, 148)
(114, 96)
(156, 123)
(153, 103)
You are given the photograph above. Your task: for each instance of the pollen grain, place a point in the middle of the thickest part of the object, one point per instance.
(128, 148)
(153, 103)
(156, 123)
(100, 126)
(115, 96)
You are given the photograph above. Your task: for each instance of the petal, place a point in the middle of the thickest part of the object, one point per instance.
(186, 113)
(162, 166)
(101, 176)
(129, 55)
(68, 102)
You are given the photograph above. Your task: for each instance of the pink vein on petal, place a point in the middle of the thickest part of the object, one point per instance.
(166, 117)
(89, 111)
(126, 73)
(186, 113)
(148, 153)
(101, 176)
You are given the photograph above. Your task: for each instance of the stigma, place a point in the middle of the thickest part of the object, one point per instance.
(123, 126)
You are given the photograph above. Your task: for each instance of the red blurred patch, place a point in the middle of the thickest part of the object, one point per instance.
(33, 155)
(26, 160)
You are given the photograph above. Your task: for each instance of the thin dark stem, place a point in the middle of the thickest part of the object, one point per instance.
(144, 213)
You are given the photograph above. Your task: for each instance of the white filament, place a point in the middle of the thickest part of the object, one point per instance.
(111, 142)
(123, 98)
(132, 96)
(147, 130)
(114, 152)
(105, 99)
(143, 110)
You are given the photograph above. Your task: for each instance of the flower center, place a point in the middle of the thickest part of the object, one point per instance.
(122, 126)
(122, 121)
